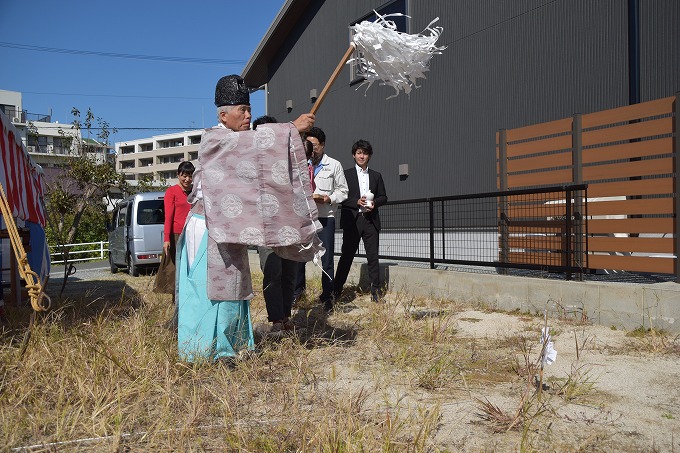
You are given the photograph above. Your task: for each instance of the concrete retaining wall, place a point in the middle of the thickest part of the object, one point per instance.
(621, 305)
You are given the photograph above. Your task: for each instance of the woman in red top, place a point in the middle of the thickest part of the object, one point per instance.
(176, 212)
(177, 207)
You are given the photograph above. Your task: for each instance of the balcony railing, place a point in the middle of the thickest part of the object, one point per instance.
(39, 117)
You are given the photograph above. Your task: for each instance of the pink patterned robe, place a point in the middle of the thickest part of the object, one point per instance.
(254, 190)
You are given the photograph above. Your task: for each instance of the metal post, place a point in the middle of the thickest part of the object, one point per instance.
(503, 159)
(577, 177)
(430, 204)
(633, 52)
(503, 218)
(576, 149)
(676, 172)
(443, 233)
(568, 227)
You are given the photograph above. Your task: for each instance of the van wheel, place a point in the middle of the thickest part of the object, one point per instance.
(114, 268)
(132, 269)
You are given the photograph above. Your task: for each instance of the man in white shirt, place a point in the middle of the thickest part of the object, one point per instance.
(360, 218)
(330, 189)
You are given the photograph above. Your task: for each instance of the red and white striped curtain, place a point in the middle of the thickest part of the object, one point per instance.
(20, 176)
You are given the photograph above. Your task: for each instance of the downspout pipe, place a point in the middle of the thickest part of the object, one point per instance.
(633, 51)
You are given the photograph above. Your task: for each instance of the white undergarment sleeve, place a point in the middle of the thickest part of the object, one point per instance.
(192, 236)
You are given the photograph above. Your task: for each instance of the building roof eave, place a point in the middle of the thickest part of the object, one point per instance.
(255, 72)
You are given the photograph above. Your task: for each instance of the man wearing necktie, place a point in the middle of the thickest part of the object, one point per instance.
(329, 189)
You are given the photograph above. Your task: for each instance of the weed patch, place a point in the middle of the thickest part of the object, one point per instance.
(101, 372)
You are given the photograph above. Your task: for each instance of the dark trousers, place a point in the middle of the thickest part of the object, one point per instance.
(362, 229)
(278, 283)
(327, 237)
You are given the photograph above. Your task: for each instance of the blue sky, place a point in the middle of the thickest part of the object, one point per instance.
(129, 92)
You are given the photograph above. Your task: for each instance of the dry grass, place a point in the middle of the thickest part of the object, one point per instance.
(651, 340)
(101, 373)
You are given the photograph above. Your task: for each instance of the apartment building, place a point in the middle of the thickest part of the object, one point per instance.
(157, 156)
(47, 141)
(44, 139)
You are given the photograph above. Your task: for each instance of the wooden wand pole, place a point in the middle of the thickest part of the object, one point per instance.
(334, 76)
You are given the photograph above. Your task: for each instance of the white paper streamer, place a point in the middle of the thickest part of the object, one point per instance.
(397, 59)
(549, 353)
(320, 251)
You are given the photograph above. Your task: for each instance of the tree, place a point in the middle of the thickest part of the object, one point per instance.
(146, 183)
(77, 201)
(83, 191)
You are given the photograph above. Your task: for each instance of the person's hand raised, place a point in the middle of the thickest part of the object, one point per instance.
(304, 122)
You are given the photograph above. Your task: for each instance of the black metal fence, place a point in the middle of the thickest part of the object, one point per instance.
(542, 229)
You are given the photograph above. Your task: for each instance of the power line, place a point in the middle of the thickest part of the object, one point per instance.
(134, 96)
(117, 95)
(501, 22)
(68, 127)
(130, 56)
(200, 60)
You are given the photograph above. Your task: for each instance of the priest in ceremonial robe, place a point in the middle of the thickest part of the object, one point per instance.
(250, 188)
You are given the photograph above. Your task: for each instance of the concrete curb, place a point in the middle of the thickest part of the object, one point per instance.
(621, 305)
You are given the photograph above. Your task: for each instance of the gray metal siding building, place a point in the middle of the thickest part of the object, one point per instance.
(508, 64)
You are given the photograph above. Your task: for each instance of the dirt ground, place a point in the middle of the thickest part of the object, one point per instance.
(608, 390)
(635, 396)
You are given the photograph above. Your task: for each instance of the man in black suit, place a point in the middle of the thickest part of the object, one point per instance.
(360, 218)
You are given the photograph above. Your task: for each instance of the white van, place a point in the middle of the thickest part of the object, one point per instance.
(136, 232)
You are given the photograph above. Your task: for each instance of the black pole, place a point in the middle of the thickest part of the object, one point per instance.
(569, 226)
(430, 204)
(633, 52)
(443, 232)
(676, 170)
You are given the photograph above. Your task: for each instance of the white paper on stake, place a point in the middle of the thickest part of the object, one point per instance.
(549, 353)
(397, 59)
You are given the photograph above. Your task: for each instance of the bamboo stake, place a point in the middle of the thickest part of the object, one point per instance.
(334, 76)
(543, 352)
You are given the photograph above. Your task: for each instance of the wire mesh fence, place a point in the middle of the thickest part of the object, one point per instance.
(542, 229)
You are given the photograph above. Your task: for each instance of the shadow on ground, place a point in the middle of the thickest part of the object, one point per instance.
(314, 325)
(80, 302)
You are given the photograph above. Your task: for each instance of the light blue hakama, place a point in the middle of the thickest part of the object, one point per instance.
(207, 329)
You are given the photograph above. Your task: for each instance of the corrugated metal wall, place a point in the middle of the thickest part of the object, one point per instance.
(660, 49)
(508, 64)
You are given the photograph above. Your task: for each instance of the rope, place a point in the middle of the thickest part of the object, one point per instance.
(39, 300)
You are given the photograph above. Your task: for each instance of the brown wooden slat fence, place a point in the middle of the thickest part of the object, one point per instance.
(630, 159)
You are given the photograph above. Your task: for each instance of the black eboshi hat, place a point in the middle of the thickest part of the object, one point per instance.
(231, 90)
